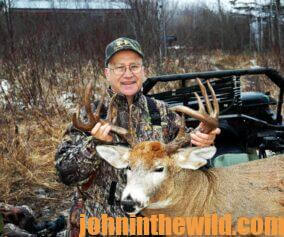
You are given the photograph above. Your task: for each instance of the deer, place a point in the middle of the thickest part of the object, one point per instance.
(168, 179)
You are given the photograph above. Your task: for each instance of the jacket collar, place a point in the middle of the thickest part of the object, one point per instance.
(122, 98)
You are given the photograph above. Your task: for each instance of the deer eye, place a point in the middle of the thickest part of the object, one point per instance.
(159, 169)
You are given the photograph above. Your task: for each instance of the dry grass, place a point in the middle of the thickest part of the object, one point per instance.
(28, 139)
(27, 158)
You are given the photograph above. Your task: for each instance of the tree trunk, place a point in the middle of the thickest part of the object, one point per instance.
(278, 26)
(221, 18)
(271, 28)
(9, 24)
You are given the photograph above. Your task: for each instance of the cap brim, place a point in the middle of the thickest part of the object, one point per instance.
(119, 50)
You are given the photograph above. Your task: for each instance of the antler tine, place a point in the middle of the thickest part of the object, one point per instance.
(94, 117)
(127, 135)
(205, 95)
(110, 109)
(92, 120)
(215, 113)
(181, 129)
(201, 108)
(181, 139)
(210, 120)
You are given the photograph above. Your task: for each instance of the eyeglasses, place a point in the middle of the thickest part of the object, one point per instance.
(134, 68)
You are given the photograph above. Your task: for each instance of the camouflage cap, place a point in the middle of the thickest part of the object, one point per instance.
(121, 44)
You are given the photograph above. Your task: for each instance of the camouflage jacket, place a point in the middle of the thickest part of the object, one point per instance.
(77, 161)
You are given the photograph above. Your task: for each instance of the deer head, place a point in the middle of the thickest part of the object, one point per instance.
(151, 170)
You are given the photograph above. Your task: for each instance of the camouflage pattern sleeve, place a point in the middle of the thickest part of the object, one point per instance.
(173, 120)
(75, 158)
(170, 121)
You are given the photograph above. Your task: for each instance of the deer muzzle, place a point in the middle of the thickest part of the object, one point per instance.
(130, 206)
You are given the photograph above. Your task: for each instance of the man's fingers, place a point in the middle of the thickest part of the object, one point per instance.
(96, 128)
(201, 139)
(105, 129)
(199, 144)
(205, 137)
(198, 140)
(101, 132)
(216, 131)
(105, 133)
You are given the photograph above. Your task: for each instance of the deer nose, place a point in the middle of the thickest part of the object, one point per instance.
(128, 204)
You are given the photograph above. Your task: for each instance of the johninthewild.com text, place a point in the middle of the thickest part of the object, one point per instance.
(163, 225)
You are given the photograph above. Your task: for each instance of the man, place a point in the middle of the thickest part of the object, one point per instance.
(99, 184)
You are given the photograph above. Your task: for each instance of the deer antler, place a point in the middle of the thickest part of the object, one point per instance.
(209, 119)
(94, 118)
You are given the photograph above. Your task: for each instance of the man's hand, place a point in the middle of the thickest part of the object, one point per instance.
(202, 139)
(101, 132)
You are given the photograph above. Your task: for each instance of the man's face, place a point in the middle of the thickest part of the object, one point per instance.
(129, 82)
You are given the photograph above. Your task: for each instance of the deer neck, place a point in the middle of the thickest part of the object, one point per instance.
(198, 192)
(239, 190)
(188, 192)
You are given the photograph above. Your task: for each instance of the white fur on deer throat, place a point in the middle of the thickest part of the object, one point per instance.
(142, 184)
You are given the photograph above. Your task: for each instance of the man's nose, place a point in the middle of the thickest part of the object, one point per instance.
(128, 72)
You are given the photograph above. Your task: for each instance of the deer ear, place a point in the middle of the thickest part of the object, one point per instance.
(194, 158)
(117, 156)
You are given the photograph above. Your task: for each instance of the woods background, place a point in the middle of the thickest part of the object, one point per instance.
(43, 42)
